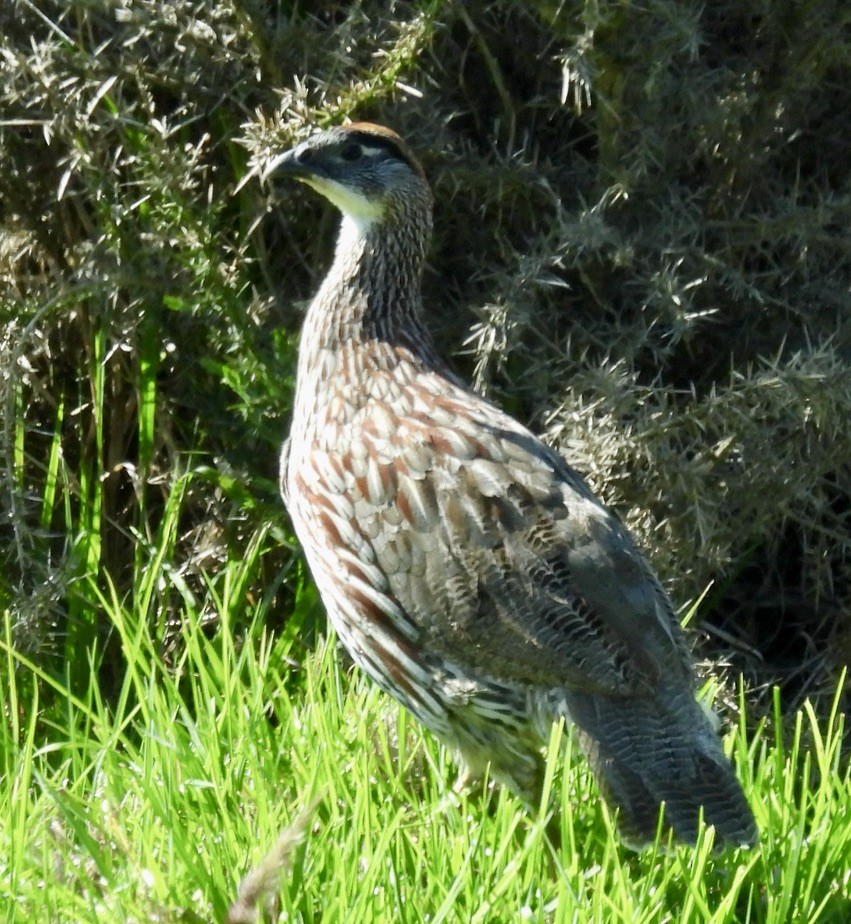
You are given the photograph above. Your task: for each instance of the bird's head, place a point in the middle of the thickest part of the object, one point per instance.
(366, 170)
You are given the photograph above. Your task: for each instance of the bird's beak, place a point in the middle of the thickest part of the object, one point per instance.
(286, 163)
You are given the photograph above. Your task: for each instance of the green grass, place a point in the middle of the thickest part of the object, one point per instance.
(153, 805)
(147, 345)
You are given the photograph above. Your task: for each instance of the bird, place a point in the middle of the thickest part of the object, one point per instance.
(464, 565)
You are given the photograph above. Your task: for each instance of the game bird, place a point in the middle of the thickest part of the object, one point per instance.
(466, 567)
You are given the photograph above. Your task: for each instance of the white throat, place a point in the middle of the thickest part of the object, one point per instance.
(357, 210)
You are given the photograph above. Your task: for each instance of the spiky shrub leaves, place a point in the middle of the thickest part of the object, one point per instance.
(639, 241)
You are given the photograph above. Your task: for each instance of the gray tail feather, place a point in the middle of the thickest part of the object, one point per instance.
(661, 748)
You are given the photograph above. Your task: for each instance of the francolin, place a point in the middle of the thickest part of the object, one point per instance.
(465, 566)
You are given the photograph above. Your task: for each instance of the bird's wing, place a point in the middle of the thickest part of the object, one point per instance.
(499, 555)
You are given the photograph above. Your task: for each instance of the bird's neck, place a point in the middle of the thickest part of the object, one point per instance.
(371, 294)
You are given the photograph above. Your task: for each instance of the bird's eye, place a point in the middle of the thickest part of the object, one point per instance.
(351, 152)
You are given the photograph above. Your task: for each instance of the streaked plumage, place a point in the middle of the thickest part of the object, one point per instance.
(465, 566)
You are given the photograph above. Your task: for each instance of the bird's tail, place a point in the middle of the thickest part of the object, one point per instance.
(649, 750)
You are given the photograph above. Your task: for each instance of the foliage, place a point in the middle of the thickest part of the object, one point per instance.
(641, 249)
(640, 243)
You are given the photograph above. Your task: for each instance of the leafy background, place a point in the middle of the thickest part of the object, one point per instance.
(641, 249)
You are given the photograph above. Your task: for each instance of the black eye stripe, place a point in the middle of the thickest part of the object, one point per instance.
(352, 152)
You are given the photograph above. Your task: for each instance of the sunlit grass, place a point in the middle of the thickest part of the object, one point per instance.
(154, 805)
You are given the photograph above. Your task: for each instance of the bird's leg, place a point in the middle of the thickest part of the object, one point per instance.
(467, 783)
(462, 786)
(466, 777)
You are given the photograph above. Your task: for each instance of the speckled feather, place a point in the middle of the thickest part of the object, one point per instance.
(467, 568)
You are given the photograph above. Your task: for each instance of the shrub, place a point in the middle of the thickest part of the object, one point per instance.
(641, 249)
